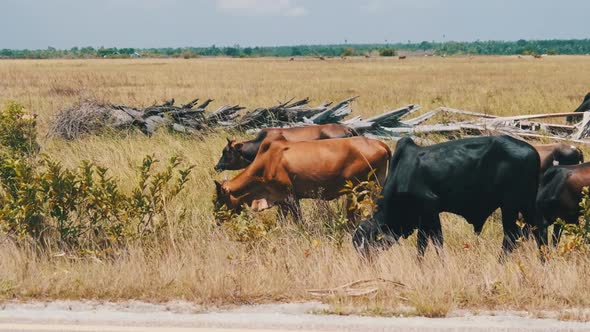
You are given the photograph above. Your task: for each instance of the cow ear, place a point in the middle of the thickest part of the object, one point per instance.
(228, 140)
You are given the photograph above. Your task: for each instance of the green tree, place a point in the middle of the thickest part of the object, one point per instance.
(348, 52)
(387, 52)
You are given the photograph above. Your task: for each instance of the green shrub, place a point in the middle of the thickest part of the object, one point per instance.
(363, 196)
(387, 52)
(81, 208)
(18, 130)
(84, 207)
(348, 52)
(576, 237)
(244, 227)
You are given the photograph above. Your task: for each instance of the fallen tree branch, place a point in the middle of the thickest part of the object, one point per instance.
(350, 290)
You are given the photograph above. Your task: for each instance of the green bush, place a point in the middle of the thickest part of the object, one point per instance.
(387, 52)
(84, 208)
(348, 52)
(576, 237)
(18, 130)
(81, 208)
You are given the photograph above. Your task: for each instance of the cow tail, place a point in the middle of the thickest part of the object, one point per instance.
(389, 155)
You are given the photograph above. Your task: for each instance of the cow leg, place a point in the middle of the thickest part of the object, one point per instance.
(290, 205)
(295, 208)
(422, 242)
(283, 211)
(430, 229)
(556, 234)
(534, 217)
(436, 234)
(510, 229)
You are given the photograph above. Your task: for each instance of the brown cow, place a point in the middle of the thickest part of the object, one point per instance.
(286, 171)
(560, 193)
(558, 154)
(239, 155)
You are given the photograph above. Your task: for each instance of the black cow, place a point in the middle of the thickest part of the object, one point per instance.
(560, 194)
(584, 107)
(469, 177)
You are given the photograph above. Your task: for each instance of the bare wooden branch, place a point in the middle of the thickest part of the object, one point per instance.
(457, 111)
(191, 104)
(555, 138)
(535, 116)
(420, 119)
(584, 127)
(205, 104)
(392, 118)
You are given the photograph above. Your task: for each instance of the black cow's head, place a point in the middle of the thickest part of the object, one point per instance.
(371, 235)
(231, 157)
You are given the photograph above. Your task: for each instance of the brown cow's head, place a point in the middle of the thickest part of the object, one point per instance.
(224, 197)
(231, 157)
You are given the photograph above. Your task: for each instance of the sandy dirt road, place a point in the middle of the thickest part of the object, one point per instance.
(178, 316)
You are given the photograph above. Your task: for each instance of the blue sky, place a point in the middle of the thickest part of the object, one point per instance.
(179, 23)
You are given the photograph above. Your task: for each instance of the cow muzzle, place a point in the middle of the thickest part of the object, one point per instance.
(260, 205)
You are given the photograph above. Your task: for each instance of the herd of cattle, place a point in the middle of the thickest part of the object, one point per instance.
(469, 177)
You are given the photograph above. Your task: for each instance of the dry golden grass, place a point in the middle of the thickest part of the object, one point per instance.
(202, 264)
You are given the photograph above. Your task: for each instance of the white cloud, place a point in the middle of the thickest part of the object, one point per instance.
(261, 7)
(377, 6)
(143, 4)
(372, 6)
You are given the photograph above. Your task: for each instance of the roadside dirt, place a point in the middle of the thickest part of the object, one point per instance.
(181, 316)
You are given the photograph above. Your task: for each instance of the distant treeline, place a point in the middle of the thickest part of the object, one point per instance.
(574, 46)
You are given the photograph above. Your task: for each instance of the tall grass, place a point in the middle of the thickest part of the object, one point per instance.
(204, 263)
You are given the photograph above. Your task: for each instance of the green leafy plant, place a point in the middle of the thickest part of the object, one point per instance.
(245, 226)
(387, 52)
(81, 208)
(363, 197)
(18, 130)
(576, 237)
(84, 207)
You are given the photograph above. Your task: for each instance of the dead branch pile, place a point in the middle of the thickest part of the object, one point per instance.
(296, 112)
(90, 117)
(521, 126)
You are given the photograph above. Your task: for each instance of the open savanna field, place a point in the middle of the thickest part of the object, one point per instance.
(200, 262)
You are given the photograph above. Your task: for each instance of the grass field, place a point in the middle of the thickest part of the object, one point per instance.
(202, 263)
